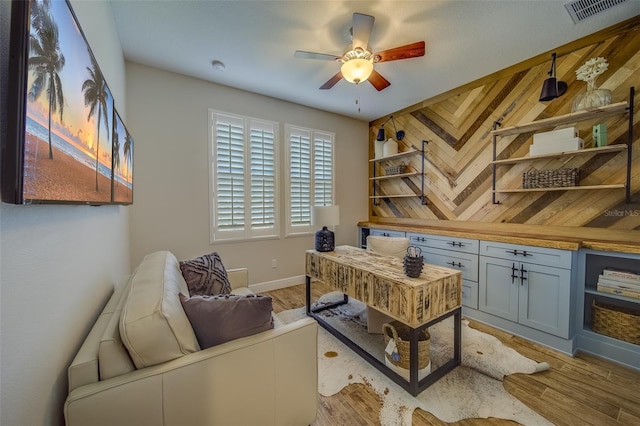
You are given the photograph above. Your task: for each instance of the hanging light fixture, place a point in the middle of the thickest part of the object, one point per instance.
(357, 65)
(381, 135)
(552, 88)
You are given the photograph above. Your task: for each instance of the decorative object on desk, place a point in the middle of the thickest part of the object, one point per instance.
(399, 134)
(325, 216)
(472, 390)
(593, 97)
(413, 262)
(552, 88)
(395, 170)
(600, 135)
(551, 178)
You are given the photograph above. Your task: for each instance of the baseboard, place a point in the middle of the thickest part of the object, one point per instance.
(277, 284)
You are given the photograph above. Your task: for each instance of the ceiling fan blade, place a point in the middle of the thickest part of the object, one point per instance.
(378, 81)
(312, 55)
(412, 50)
(332, 81)
(361, 30)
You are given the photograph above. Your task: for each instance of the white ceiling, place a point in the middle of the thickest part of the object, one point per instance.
(256, 40)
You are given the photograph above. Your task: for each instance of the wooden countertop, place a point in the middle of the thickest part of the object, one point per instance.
(560, 237)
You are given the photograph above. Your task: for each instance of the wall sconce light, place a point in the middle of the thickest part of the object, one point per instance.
(325, 216)
(399, 134)
(552, 88)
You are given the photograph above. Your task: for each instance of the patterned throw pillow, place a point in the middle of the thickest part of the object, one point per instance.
(222, 318)
(206, 275)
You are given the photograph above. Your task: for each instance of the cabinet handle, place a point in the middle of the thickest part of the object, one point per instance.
(452, 263)
(522, 272)
(514, 252)
(454, 244)
(513, 272)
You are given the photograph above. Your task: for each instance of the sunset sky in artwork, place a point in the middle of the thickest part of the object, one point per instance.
(74, 126)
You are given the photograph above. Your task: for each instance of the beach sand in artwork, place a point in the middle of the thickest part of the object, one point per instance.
(61, 179)
(122, 193)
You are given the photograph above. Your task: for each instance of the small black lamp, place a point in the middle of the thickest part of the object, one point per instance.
(325, 216)
(399, 134)
(552, 88)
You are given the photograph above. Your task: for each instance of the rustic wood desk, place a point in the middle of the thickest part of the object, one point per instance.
(380, 282)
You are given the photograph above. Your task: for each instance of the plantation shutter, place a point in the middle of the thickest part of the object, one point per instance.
(243, 173)
(229, 173)
(310, 175)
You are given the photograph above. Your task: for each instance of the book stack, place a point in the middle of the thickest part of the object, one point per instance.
(620, 282)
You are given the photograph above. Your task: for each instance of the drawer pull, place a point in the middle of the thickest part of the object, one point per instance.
(452, 263)
(421, 239)
(518, 253)
(455, 244)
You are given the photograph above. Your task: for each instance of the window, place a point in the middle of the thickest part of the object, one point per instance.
(309, 172)
(244, 186)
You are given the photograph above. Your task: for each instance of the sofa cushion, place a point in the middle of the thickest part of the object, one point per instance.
(153, 326)
(221, 318)
(206, 275)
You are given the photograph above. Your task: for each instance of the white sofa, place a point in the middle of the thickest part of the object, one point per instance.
(270, 378)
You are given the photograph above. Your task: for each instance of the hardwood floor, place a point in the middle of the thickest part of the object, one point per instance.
(584, 390)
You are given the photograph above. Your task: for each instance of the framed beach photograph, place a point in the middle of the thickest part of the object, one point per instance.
(59, 135)
(122, 162)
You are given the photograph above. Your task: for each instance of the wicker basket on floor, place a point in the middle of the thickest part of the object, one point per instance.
(400, 333)
(617, 322)
(551, 178)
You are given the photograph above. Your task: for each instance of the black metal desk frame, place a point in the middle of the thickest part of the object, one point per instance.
(413, 386)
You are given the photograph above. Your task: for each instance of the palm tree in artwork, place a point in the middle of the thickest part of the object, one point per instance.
(116, 155)
(95, 97)
(128, 145)
(46, 61)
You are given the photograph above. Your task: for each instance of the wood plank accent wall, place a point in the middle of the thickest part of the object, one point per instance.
(458, 124)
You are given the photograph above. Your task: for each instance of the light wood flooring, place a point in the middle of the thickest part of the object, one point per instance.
(584, 390)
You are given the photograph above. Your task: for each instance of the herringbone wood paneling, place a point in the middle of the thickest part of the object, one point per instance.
(458, 128)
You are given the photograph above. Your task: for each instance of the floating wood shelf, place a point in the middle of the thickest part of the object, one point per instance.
(396, 156)
(401, 175)
(574, 117)
(377, 197)
(561, 188)
(598, 150)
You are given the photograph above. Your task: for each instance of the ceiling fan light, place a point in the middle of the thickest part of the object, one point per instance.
(356, 70)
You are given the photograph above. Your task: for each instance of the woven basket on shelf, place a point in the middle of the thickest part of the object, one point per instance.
(550, 178)
(614, 321)
(395, 170)
(400, 333)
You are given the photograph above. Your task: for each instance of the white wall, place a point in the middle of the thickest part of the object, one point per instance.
(168, 118)
(58, 267)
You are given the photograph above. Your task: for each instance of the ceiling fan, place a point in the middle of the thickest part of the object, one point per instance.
(357, 63)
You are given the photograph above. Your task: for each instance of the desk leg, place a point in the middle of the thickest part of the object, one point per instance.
(413, 360)
(308, 294)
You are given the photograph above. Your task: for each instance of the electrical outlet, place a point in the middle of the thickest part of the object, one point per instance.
(274, 263)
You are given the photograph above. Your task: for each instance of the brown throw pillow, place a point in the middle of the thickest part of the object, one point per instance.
(221, 318)
(206, 275)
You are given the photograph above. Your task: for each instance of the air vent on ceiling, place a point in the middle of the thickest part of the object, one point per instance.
(579, 10)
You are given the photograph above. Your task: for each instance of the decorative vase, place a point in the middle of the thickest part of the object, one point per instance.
(592, 98)
(379, 151)
(390, 147)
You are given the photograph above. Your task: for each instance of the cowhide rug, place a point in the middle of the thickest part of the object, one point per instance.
(472, 390)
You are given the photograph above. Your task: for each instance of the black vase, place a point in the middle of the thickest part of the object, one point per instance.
(413, 266)
(325, 240)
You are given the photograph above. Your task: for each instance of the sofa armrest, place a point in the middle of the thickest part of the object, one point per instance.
(274, 372)
(238, 277)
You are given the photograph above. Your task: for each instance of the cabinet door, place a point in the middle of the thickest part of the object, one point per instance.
(498, 290)
(544, 298)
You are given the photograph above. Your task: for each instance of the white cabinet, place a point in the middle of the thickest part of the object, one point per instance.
(455, 253)
(527, 285)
